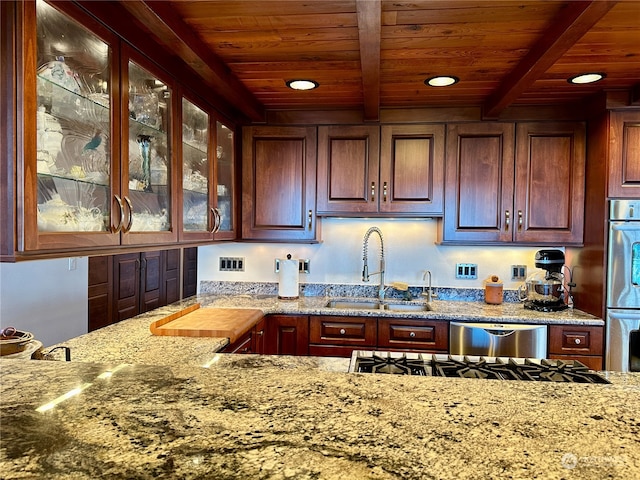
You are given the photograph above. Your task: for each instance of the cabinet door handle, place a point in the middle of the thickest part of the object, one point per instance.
(214, 220)
(130, 222)
(519, 219)
(373, 191)
(117, 228)
(219, 216)
(384, 192)
(507, 220)
(310, 219)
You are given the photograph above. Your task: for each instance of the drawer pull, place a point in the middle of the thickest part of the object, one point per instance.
(577, 341)
(412, 334)
(342, 331)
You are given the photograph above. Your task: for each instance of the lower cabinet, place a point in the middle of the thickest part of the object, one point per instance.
(405, 334)
(287, 335)
(577, 342)
(251, 342)
(123, 286)
(331, 336)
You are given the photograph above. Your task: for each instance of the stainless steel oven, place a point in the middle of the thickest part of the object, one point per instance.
(623, 287)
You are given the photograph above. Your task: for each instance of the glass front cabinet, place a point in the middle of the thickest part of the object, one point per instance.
(111, 153)
(207, 175)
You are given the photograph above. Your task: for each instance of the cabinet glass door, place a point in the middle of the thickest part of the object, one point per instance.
(196, 169)
(224, 179)
(149, 166)
(73, 125)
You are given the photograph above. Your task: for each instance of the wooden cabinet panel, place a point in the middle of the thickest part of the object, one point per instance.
(577, 342)
(259, 337)
(524, 184)
(279, 183)
(190, 272)
(412, 169)
(549, 183)
(593, 362)
(431, 335)
(171, 276)
(126, 291)
(330, 330)
(122, 286)
(397, 169)
(479, 179)
(287, 335)
(348, 169)
(100, 284)
(580, 340)
(624, 154)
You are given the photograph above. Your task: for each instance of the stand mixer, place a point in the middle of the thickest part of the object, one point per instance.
(544, 290)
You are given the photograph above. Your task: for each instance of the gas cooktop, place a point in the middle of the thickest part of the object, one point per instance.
(495, 368)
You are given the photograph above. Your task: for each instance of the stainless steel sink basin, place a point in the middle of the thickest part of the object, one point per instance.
(374, 305)
(408, 307)
(356, 305)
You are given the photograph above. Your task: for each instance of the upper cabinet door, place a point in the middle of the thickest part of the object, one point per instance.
(70, 146)
(479, 183)
(198, 214)
(225, 168)
(147, 175)
(549, 183)
(412, 169)
(348, 169)
(279, 183)
(624, 155)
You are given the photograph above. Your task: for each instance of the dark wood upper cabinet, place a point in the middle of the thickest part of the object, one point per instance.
(279, 184)
(393, 169)
(479, 183)
(521, 184)
(624, 154)
(348, 169)
(549, 183)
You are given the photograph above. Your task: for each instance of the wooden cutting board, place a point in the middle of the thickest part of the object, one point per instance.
(194, 321)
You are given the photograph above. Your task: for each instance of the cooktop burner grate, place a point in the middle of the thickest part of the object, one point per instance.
(494, 368)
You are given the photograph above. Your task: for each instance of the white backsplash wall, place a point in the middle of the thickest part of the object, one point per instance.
(409, 246)
(45, 298)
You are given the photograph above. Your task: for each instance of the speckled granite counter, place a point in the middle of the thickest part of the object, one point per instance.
(131, 341)
(260, 417)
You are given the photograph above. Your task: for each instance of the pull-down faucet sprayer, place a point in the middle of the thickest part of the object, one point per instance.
(365, 268)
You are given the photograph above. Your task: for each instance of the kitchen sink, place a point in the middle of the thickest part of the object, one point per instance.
(408, 307)
(356, 305)
(374, 305)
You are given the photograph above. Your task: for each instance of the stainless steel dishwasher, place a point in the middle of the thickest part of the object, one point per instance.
(498, 340)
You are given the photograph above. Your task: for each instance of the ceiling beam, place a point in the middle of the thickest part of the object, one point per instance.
(573, 22)
(369, 28)
(161, 19)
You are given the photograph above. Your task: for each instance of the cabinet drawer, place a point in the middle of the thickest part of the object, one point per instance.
(343, 331)
(417, 334)
(569, 339)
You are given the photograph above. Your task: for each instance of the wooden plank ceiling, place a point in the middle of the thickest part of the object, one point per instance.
(375, 54)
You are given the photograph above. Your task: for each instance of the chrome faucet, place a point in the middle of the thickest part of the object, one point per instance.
(365, 268)
(429, 293)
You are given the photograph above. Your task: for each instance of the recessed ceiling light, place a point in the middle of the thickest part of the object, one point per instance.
(587, 78)
(442, 81)
(302, 84)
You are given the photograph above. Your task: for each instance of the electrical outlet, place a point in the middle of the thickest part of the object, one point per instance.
(518, 272)
(232, 264)
(73, 263)
(467, 270)
(303, 265)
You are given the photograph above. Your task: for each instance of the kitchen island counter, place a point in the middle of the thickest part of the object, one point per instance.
(287, 417)
(131, 341)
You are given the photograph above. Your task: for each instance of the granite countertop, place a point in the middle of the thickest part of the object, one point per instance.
(131, 341)
(265, 417)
